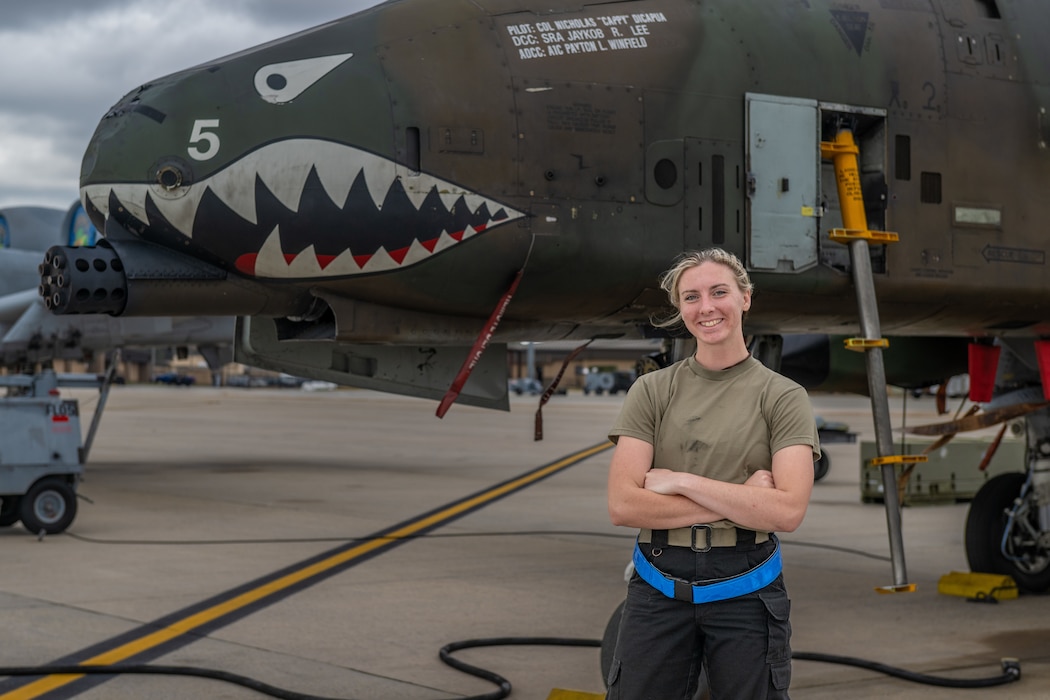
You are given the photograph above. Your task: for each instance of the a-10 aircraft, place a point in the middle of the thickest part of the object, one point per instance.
(381, 197)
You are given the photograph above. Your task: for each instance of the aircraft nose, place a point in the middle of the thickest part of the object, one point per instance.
(227, 152)
(139, 147)
(301, 159)
(114, 124)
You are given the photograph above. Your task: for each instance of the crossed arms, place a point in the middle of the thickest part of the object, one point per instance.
(660, 499)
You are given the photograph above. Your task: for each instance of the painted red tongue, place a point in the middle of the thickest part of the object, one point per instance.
(246, 263)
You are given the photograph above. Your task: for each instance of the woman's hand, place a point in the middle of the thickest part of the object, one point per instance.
(763, 478)
(662, 481)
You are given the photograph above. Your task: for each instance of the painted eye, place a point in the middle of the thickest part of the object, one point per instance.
(279, 83)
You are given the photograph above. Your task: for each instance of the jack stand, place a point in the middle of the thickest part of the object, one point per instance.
(843, 152)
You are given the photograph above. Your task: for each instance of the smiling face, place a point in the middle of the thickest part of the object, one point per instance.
(712, 304)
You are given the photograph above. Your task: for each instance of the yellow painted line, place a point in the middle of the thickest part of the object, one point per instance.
(187, 624)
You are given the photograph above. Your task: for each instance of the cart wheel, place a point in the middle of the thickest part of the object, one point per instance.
(48, 506)
(9, 511)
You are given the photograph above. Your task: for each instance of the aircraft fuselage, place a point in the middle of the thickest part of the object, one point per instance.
(416, 155)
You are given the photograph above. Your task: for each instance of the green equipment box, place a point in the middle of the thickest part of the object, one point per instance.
(951, 474)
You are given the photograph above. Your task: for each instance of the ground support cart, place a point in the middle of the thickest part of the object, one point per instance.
(41, 455)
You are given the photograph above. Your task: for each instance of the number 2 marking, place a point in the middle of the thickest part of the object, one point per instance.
(209, 139)
(927, 87)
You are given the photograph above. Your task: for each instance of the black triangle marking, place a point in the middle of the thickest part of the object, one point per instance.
(854, 26)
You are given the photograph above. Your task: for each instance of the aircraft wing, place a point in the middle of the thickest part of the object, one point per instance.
(19, 271)
(29, 333)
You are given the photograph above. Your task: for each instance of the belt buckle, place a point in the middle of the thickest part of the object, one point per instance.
(708, 538)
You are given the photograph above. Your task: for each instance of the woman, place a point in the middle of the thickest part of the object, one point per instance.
(713, 455)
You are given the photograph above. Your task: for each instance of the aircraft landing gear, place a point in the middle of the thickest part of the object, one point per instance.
(1003, 533)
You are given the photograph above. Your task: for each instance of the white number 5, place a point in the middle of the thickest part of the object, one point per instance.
(210, 139)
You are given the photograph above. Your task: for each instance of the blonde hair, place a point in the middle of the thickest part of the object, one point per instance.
(686, 261)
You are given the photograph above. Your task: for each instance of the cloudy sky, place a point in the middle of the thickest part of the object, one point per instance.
(65, 62)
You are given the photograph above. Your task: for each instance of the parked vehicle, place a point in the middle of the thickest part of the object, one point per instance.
(525, 385)
(612, 382)
(318, 385)
(174, 379)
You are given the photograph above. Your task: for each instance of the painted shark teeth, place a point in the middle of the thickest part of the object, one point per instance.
(280, 177)
(272, 262)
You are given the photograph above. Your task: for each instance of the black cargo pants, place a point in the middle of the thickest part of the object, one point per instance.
(743, 642)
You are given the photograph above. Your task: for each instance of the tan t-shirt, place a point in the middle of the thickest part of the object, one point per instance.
(724, 424)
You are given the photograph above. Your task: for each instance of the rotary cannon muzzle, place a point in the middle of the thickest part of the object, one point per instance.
(131, 277)
(87, 280)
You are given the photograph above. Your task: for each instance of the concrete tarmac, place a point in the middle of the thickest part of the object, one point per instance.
(236, 529)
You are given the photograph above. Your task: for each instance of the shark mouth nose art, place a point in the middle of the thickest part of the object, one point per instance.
(307, 208)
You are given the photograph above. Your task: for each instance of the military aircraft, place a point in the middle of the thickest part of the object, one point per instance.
(30, 335)
(381, 197)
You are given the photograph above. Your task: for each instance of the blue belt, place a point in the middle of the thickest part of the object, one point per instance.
(709, 591)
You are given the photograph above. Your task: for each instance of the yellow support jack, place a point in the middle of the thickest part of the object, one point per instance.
(843, 152)
(842, 235)
(865, 344)
(902, 588)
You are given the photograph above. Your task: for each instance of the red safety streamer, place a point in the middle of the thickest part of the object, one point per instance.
(983, 362)
(990, 452)
(1042, 355)
(479, 347)
(554, 385)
